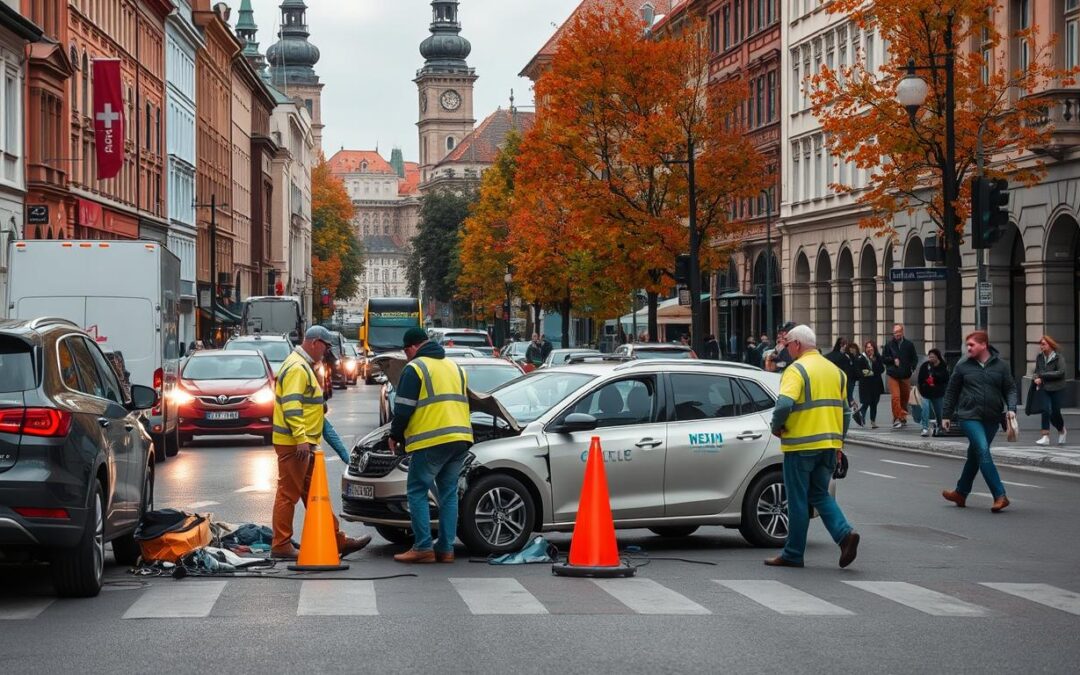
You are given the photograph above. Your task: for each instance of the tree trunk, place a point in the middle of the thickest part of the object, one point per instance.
(564, 309)
(654, 328)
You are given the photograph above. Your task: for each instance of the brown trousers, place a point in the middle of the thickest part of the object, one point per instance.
(294, 481)
(901, 393)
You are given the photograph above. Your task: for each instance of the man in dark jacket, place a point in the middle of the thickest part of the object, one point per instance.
(980, 388)
(783, 358)
(545, 347)
(900, 360)
(712, 348)
(534, 354)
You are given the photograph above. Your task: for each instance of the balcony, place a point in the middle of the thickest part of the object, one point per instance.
(1062, 114)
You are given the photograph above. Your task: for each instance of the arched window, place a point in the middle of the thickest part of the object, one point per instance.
(450, 143)
(86, 84)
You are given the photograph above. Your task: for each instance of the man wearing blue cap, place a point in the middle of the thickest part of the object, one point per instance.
(432, 422)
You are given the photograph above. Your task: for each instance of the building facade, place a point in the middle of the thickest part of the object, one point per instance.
(292, 62)
(461, 169)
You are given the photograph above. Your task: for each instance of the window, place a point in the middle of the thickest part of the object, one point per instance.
(796, 177)
(621, 403)
(89, 379)
(759, 102)
(704, 397)
(1071, 43)
(714, 32)
(107, 374)
(739, 21)
(870, 52)
(771, 97)
(818, 173)
(68, 372)
(828, 169)
(796, 85)
(806, 189)
(760, 400)
(727, 26)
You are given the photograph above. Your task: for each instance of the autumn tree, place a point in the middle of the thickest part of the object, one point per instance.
(337, 256)
(905, 152)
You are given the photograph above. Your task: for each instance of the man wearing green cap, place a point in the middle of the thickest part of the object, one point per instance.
(432, 423)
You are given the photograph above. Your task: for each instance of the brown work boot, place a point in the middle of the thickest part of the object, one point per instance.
(415, 557)
(444, 557)
(781, 561)
(849, 548)
(999, 503)
(288, 552)
(350, 546)
(955, 497)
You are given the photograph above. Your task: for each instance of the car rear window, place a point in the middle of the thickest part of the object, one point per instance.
(16, 366)
(224, 367)
(275, 350)
(467, 340)
(662, 353)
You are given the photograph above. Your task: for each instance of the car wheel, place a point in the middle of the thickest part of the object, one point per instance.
(161, 448)
(674, 531)
(125, 549)
(395, 535)
(172, 444)
(77, 572)
(497, 515)
(185, 439)
(764, 514)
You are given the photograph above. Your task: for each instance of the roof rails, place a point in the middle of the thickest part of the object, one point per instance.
(51, 320)
(696, 363)
(586, 358)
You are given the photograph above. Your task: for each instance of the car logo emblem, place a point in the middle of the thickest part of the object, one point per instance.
(222, 399)
(362, 464)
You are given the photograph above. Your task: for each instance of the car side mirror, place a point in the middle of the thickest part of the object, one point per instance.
(142, 397)
(577, 422)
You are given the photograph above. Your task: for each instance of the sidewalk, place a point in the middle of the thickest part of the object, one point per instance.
(1024, 452)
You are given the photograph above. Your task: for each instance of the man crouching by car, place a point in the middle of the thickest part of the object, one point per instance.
(432, 421)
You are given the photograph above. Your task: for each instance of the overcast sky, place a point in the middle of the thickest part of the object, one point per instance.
(370, 54)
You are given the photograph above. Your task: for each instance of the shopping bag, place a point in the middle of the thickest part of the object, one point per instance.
(1034, 403)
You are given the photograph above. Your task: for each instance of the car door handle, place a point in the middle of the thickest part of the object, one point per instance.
(750, 435)
(104, 422)
(648, 443)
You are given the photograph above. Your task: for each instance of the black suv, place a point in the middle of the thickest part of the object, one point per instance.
(76, 465)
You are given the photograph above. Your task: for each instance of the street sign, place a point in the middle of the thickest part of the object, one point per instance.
(986, 294)
(684, 297)
(37, 214)
(917, 274)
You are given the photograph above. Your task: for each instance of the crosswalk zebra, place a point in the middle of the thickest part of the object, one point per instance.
(487, 596)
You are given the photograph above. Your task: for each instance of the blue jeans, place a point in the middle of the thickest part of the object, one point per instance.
(928, 404)
(330, 435)
(439, 466)
(980, 435)
(806, 481)
(1051, 413)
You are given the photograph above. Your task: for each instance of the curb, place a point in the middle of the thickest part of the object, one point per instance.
(1004, 455)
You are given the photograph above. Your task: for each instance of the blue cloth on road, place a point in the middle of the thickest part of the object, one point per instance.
(980, 435)
(330, 435)
(806, 480)
(439, 466)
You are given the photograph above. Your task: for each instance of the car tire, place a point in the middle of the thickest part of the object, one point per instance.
(674, 531)
(125, 549)
(764, 513)
(77, 572)
(161, 448)
(172, 443)
(502, 494)
(395, 535)
(185, 439)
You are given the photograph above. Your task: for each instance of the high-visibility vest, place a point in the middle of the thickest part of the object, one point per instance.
(298, 404)
(817, 420)
(442, 409)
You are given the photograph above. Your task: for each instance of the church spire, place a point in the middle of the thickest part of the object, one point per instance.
(445, 50)
(292, 58)
(247, 31)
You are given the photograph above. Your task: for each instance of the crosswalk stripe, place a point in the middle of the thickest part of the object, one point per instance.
(646, 596)
(877, 475)
(337, 598)
(923, 599)
(1015, 484)
(177, 600)
(784, 599)
(497, 596)
(1044, 594)
(23, 609)
(898, 463)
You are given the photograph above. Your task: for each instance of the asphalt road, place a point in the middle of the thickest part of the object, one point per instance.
(916, 599)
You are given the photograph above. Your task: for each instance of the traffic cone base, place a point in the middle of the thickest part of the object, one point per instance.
(318, 545)
(593, 549)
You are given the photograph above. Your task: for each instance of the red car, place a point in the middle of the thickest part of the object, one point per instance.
(226, 393)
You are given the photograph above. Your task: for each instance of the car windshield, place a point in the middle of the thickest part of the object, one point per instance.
(467, 340)
(660, 353)
(274, 350)
(529, 397)
(386, 337)
(485, 378)
(224, 367)
(16, 366)
(350, 349)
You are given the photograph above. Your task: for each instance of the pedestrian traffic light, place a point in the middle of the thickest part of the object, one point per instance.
(989, 211)
(682, 269)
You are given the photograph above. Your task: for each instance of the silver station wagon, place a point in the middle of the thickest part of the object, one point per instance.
(685, 444)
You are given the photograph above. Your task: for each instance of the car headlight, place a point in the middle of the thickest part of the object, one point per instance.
(182, 397)
(263, 396)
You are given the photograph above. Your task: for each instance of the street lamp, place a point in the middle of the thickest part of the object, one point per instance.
(508, 279)
(911, 92)
(769, 327)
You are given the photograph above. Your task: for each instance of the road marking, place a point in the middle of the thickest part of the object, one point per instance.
(923, 599)
(645, 596)
(255, 488)
(337, 598)
(23, 609)
(177, 600)
(200, 505)
(917, 466)
(981, 494)
(497, 596)
(1044, 594)
(878, 475)
(785, 599)
(1021, 484)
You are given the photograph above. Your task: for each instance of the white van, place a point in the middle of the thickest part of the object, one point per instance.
(125, 294)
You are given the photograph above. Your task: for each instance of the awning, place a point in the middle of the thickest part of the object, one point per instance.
(735, 299)
(221, 316)
(667, 311)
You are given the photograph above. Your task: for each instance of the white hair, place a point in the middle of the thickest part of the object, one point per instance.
(804, 335)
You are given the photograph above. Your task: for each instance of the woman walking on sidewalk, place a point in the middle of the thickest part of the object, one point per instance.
(932, 381)
(871, 387)
(981, 387)
(1049, 380)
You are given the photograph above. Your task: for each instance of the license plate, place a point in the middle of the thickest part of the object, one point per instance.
(235, 415)
(360, 491)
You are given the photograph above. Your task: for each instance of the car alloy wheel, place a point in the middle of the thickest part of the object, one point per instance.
(99, 541)
(500, 516)
(772, 510)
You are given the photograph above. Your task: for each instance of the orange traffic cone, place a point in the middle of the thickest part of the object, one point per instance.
(318, 546)
(593, 549)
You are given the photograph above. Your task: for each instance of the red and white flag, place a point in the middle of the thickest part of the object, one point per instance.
(108, 118)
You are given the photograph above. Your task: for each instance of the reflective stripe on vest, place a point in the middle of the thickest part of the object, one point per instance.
(816, 423)
(310, 412)
(442, 409)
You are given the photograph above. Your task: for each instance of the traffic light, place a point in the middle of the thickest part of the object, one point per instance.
(682, 269)
(989, 211)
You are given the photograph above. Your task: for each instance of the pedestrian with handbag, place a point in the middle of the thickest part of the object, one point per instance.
(981, 387)
(932, 381)
(1049, 381)
(871, 386)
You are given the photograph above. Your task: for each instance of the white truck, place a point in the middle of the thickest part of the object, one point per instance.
(125, 294)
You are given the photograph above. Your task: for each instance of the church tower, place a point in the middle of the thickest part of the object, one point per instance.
(292, 63)
(248, 31)
(446, 87)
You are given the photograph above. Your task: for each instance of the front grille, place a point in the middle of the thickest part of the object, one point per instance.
(224, 424)
(215, 401)
(377, 465)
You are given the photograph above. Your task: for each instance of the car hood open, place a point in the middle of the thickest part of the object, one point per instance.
(393, 364)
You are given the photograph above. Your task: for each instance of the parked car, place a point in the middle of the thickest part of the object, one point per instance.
(464, 352)
(685, 445)
(338, 376)
(515, 351)
(463, 337)
(76, 464)
(655, 350)
(276, 348)
(558, 357)
(226, 393)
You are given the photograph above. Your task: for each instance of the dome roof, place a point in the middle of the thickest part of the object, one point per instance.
(292, 58)
(293, 53)
(445, 49)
